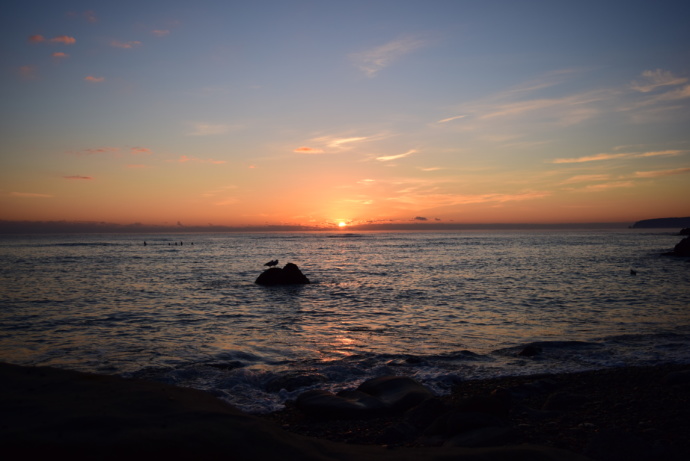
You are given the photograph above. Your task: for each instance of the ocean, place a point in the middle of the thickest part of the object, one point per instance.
(440, 307)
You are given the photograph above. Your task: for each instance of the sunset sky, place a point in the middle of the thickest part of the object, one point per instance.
(319, 112)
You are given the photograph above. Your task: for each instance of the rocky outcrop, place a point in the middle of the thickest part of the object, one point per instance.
(385, 394)
(681, 249)
(288, 275)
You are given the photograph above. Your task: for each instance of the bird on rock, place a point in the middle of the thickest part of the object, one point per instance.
(272, 263)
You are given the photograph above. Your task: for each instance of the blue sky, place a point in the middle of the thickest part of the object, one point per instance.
(295, 112)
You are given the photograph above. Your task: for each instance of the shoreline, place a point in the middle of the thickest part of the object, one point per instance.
(639, 412)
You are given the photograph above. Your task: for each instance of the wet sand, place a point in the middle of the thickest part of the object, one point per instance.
(47, 411)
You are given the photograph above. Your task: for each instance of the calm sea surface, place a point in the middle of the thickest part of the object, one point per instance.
(440, 307)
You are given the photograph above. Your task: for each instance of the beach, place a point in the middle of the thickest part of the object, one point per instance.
(631, 413)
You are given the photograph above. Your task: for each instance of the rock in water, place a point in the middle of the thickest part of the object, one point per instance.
(683, 247)
(288, 275)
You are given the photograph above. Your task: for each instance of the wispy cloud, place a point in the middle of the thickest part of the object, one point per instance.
(432, 200)
(64, 39)
(92, 79)
(96, 151)
(610, 156)
(335, 144)
(654, 79)
(450, 119)
(372, 61)
(29, 195)
(608, 186)
(661, 173)
(75, 177)
(60, 55)
(586, 178)
(27, 72)
(89, 15)
(308, 150)
(388, 158)
(160, 32)
(139, 150)
(125, 45)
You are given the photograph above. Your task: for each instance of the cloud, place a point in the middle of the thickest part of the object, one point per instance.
(95, 151)
(29, 195)
(450, 119)
(372, 61)
(607, 186)
(607, 156)
(90, 16)
(567, 110)
(654, 79)
(395, 157)
(333, 144)
(59, 55)
(36, 39)
(661, 173)
(160, 32)
(64, 39)
(440, 200)
(420, 218)
(87, 178)
(586, 178)
(27, 72)
(308, 150)
(139, 150)
(91, 78)
(185, 159)
(125, 45)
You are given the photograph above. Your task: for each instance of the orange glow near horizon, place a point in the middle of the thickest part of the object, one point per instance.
(359, 139)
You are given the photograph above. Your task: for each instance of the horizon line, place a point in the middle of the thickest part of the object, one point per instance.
(28, 227)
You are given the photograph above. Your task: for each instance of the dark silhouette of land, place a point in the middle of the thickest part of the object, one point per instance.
(667, 223)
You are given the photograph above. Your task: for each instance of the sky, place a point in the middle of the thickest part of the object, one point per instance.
(317, 113)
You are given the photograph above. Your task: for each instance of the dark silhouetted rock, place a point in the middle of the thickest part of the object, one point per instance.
(373, 397)
(683, 247)
(530, 350)
(350, 404)
(399, 393)
(288, 275)
(685, 231)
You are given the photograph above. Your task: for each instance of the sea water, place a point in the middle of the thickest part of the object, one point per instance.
(440, 307)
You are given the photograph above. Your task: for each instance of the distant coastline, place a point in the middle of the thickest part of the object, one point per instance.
(71, 227)
(668, 223)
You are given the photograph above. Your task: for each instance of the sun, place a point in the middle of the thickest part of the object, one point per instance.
(342, 224)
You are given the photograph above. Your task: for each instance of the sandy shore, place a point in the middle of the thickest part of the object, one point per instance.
(46, 411)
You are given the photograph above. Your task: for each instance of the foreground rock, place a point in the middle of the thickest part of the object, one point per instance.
(386, 394)
(55, 413)
(682, 248)
(288, 275)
